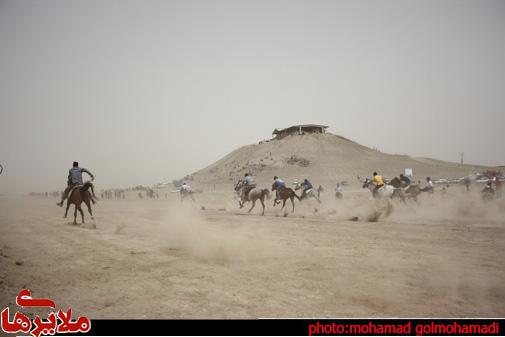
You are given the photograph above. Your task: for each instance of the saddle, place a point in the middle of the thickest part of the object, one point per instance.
(78, 186)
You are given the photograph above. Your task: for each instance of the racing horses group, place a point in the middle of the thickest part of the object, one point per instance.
(261, 194)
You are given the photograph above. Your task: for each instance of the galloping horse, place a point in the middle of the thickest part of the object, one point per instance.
(386, 191)
(411, 191)
(79, 194)
(186, 194)
(286, 193)
(308, 194)
(252, 195)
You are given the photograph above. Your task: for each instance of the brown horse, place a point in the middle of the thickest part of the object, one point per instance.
(285, 193)
(79, 194)
(252, 195)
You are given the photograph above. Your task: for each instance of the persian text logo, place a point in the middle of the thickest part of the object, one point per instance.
(56, 322)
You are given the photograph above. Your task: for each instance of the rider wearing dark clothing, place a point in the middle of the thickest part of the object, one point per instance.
(279, 185)
(404, 180)
(306, 185)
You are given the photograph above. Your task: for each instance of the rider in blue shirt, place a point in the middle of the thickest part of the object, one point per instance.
(279, 184)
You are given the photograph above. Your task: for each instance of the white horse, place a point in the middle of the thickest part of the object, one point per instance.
(386, 191)
(308, 193)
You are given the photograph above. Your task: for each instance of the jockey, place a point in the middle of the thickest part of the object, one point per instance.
(338, 191)
(185, 188)
(74, 179)
(488, 190)
(429, 186)
(279, 184)
(404, 180)
(249, 184)
(378, 181)
(306, 185)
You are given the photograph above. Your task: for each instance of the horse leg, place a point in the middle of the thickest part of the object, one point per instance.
(66, 210)
(89, 209)
(263, 205)
(82, 213)
(75, 215)
(283, 204)
(293, 202)
(250, 209)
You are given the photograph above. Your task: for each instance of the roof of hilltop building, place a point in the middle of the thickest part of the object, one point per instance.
(299, 130)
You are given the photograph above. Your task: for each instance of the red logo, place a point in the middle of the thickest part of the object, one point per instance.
(60, 322)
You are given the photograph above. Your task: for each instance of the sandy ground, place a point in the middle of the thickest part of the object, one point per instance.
(441, 257)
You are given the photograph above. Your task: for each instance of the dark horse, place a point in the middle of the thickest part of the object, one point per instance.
(411, 191)
(285, 193)
(79, 194)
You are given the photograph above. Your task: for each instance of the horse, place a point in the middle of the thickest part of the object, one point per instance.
(402, 190)
(185, 194)
(412, 191)
(308, 193)
(285, 193)
(386, 191)
(488, 193)
(252, 195)
(77, 195)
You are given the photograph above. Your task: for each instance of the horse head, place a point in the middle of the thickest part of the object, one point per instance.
(366, 183)
(238, 185)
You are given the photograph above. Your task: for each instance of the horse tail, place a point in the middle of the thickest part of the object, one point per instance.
(265, 192)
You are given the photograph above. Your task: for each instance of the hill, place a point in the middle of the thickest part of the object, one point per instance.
(323, 158)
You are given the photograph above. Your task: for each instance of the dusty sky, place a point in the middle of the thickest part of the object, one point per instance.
(145, 91)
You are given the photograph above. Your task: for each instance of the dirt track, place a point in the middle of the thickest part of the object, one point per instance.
(155, 259)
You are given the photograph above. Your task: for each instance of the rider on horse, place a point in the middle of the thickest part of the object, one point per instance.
(378, 181)
(404, 180)
(306, 186)
(185, 188)
(249, 184)
(279, 184)
(429, 186)
(74, 179)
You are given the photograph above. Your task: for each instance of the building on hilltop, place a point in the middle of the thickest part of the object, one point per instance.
(299, 130)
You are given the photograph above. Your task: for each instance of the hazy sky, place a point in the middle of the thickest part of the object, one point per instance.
(145, 91)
